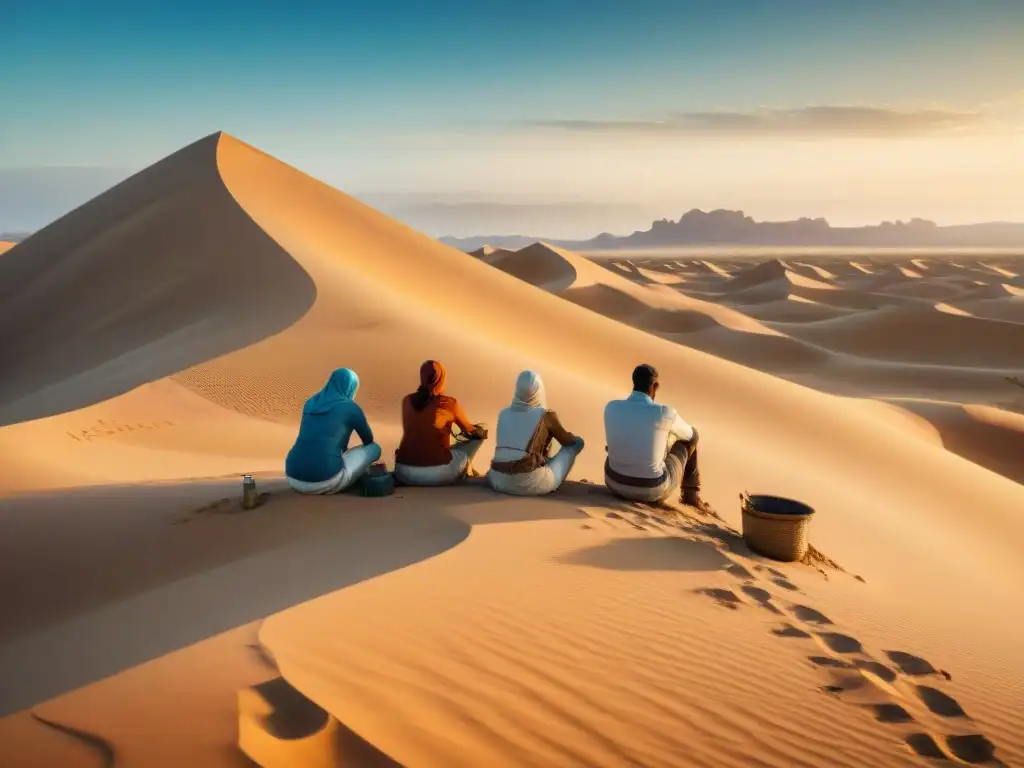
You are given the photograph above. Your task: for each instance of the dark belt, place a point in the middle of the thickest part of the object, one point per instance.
(635, 482)
(522, 466)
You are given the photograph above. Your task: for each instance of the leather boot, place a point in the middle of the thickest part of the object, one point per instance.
(691, 497)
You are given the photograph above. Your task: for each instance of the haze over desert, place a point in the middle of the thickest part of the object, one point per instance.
(355, 362)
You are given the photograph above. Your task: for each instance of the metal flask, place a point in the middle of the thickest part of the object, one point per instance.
(249, 496)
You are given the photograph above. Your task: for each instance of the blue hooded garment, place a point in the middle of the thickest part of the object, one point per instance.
(328, 420)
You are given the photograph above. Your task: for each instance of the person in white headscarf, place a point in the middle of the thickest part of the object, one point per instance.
(526, 432)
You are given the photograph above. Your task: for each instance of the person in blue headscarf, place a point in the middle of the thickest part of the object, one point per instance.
(321, 461)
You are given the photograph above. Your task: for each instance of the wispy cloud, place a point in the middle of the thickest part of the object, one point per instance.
(838, 121)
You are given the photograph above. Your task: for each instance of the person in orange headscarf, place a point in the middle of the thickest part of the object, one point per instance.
(426, 455)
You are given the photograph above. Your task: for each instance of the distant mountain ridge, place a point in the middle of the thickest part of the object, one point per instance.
(723, 227)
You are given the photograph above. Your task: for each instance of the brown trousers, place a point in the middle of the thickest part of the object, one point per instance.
(685, 451)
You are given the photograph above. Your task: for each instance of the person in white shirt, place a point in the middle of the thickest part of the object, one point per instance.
(652, 451)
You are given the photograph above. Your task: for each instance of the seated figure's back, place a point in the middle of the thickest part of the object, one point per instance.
(426, 434)
(638, 431)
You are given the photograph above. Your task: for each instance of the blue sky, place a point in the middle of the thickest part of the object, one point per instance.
(374, 94)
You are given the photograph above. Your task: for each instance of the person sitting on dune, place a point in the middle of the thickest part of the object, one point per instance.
(652, 452)
(526, 429)
(321, 461)
(426, 454)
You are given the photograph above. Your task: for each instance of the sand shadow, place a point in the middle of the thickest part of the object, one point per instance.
(788, 630)
(760, 596)
(829, 662)
(876, 668)
(915, 666)
(940, 703)
(810, 615)
(724, 597)
(278, 725)
(109, 639)
(892, 714)
(54, 639)
(101, 747)
(923, 745)
(972, 748)
(740, 572)
(840, 643)
(669, 553)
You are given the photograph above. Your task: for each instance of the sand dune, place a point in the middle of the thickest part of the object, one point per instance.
(645, 304)
(850, 362)
(992, 291)
(662, 278)
(767, 272)
(127, 319)
(998, 270)
(794, 308)
(1010, 309)
(5, 246)
(551, 268)
(989, 436)
(453, 627)
(490, 254)
(920, 336)
(819, 272)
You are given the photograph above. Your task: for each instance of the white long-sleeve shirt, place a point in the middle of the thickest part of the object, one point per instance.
(639, 433)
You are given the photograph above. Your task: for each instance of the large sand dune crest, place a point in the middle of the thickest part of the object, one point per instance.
(161, 272)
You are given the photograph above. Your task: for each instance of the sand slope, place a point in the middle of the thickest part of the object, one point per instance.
(160, 272)
(457, 627)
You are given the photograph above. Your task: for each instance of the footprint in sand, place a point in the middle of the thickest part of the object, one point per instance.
(788, 630)
(840, 643)
(786, 584)
(923, 745)
(739, 572)
(891, 714)
(829, 662)
(761, 596)
(810, 615)
(778, 578)
(854, 670)
(972, 748)
(878, 669)
(915, 666)
(940, 703)
(724, 597)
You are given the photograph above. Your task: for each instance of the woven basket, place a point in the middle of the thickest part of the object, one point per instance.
(776, 527)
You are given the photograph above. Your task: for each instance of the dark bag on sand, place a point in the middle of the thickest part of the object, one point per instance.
(378, 481)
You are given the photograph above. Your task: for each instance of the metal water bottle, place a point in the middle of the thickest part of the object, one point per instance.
(249, 496)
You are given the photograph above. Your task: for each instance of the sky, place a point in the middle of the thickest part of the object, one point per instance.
(516, 115)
